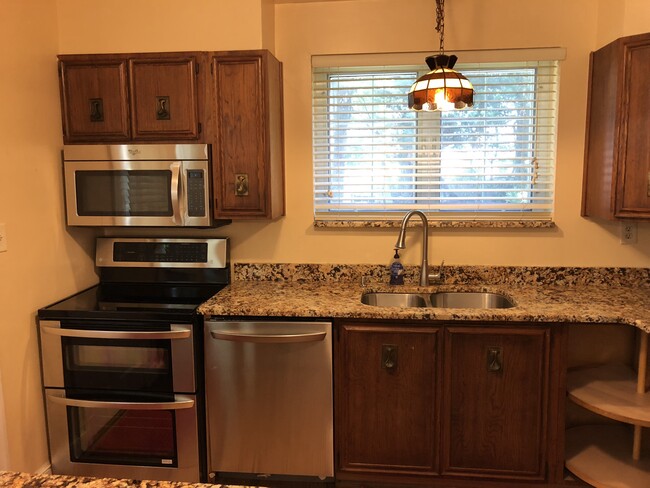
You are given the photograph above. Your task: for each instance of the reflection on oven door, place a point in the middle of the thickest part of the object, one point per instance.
(151, 361)
(141, 440)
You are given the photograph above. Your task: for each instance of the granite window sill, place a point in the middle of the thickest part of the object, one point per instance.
(448, 224)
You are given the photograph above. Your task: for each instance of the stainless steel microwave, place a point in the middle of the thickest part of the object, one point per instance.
(149, 185)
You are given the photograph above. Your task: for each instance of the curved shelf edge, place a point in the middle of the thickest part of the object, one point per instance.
(601, 455)
(610, 391)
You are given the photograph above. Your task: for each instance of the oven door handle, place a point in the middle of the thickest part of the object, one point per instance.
(180, 402)
(268, 338)
(176, 332)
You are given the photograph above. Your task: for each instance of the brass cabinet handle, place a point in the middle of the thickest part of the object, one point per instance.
(162, 108)
(389, 357)
(96, 110)
(494, 359)
(241, 184)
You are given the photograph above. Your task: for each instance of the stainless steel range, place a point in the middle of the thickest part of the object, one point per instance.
(122, 362)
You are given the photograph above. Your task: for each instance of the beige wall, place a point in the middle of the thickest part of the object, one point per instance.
(303, 29)
(306, 28)
(97, 26)
(46, 261)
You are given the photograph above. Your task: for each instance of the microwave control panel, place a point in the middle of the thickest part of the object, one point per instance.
(196, 193)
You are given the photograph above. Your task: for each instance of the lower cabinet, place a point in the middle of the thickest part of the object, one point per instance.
(386, 391)
(434, 405)
(495, 400)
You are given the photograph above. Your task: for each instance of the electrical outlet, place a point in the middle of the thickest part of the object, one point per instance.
(628, 232)
(3, 238)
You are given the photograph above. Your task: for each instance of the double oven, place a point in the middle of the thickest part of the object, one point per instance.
(122, 361)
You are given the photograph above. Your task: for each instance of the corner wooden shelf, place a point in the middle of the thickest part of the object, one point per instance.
(610, 391)
(609, 456)
(601, 456)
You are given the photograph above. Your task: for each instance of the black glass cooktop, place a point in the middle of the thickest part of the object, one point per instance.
(133, 301)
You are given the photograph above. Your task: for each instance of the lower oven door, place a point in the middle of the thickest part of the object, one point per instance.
(109, 439)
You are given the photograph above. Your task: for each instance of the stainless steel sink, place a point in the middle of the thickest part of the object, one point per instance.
(447, 299)
(466, 299)
(394, 299)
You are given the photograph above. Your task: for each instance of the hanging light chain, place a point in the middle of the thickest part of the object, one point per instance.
(440, 23)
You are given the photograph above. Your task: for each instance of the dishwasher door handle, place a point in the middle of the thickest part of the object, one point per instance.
(267, 338)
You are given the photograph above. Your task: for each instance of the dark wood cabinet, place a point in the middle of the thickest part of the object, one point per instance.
(445, 405)
(617, 149)
(94, 99)
(131, 97)
(495, 402)
(235, 105)
(386, 384)
(165, 98)
(248, 149)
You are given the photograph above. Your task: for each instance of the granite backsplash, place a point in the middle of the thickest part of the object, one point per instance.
(453, 274)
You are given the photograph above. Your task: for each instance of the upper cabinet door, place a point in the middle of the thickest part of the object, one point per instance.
(94, 100)
(132, 97)
(248, 147)
(617, 149)
(164, 98)
(634, 170)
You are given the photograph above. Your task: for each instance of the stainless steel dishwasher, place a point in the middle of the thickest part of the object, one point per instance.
(269, 398)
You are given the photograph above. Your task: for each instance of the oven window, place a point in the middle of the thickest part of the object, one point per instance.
(144, 359)
(125, 193)
(139, 366)
(134, 437)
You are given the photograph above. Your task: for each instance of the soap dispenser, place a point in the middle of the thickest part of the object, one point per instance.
(396, 271)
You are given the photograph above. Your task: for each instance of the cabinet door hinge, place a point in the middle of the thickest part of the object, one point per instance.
(200, 127)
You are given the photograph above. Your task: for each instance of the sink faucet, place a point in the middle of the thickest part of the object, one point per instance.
(426, 278)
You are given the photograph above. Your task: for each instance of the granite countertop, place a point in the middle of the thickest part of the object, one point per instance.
(614, 298)
(25, 480)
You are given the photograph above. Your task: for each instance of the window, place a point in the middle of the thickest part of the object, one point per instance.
(375, 160)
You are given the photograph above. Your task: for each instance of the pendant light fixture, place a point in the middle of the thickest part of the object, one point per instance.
(442, 88)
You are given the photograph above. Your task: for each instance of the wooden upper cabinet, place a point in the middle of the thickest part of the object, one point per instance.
(231, 100)
(164, 98)
(131, 97)
(94, 99)
(495, 402)
(617, 150)
(248, 150)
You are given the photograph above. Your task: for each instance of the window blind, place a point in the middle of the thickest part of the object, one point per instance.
(374, 159)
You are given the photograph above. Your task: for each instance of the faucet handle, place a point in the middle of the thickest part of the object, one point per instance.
(439, 276)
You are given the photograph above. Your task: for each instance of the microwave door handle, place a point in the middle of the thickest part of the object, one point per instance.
(182, 195)
(176, 168)
(180, 402)
(176, 332)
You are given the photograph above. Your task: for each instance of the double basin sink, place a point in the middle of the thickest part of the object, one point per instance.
(446, 299)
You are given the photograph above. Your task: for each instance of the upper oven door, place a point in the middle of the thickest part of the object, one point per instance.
(137, 193)
(153, 362)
